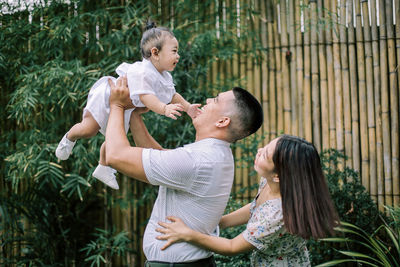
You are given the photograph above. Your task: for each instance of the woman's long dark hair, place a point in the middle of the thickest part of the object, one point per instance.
(308, 210)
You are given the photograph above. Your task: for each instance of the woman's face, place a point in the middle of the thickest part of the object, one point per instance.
(263, 164)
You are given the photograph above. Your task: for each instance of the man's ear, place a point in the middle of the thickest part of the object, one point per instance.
(223, 122)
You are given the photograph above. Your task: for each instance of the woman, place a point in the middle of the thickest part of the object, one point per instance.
(292, 204)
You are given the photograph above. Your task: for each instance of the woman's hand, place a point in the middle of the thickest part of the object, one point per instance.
(173, 232)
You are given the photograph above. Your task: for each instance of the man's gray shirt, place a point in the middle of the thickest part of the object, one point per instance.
(195, 183)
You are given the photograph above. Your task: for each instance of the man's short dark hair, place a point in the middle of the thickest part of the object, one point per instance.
(248, 116)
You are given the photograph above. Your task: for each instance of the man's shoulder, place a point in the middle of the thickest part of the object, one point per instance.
(209, 149)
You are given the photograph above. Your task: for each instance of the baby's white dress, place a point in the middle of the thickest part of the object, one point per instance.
(143, 78)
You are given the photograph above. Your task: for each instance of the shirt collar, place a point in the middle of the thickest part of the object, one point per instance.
(213, 141)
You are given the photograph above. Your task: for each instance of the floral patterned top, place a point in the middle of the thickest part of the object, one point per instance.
(265, 231)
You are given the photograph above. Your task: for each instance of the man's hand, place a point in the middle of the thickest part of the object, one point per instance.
(120, 94)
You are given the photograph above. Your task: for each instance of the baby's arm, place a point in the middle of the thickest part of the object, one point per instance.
(191, 109)
(154, 104)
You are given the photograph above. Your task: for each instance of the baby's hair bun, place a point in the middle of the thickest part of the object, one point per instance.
(150, 25)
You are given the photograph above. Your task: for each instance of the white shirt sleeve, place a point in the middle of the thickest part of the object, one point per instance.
(141, 82)
(174, 169)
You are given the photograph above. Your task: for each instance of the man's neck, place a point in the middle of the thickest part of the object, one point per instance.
(220, 136)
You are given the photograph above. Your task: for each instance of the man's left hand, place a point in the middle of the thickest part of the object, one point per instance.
(120, 94)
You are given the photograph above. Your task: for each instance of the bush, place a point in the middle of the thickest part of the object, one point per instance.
(241, 260)
(49, 59)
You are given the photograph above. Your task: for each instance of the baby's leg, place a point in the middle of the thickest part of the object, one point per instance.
(102, 159)
(87, 128)
(105, 173)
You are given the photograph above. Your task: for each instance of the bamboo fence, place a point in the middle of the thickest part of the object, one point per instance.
(329, 73)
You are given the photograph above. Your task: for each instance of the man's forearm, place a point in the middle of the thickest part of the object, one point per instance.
(140, 134)
(115, 132)
(119, 153)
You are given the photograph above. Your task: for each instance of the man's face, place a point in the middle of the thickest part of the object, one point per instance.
(216, 107)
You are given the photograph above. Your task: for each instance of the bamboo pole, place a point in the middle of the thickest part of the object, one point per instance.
(287, 112)
(338, 86)
(378, 109)
(291, 59)
(345, 84)
(362, 99)
(251, 83)
(315, 87)
(299, 70)
(265, 72)
(396, 185)
(245, 81)
(331, 79)
(258, 63)
(394, 98)
(135, 219)
(271, 28)
(385, 104)
(278, 62)
(256, 28)
(353, 88)
(373, 190)
(238, 69)
(323, 81)
(307, 78)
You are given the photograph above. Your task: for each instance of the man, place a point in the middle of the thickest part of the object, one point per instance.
(195, 180)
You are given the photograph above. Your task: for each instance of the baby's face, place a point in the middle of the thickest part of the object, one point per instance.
(168, 56)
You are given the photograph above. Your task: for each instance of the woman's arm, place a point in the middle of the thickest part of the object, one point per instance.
(238, 217)
(177, 231)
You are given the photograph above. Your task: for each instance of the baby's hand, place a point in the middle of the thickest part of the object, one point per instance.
(193, 110)
(172, 109)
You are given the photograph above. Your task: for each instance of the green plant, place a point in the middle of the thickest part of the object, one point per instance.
(240, 260)
(382, 247)
(105, 246)
(50, 56)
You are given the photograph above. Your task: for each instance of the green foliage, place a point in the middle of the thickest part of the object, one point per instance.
(106, 242)
(49, 225)
(50, 209)
(241, 260)
(382, 247)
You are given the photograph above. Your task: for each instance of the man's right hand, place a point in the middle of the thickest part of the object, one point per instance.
(120, 94)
